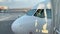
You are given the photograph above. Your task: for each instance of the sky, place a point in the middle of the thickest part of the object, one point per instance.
(20, 3)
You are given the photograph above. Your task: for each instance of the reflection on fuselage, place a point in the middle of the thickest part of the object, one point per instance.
(44, 30)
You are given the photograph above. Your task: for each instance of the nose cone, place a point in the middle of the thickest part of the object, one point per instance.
(24, 25)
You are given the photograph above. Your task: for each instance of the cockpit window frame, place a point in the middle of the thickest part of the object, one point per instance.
(44, 16)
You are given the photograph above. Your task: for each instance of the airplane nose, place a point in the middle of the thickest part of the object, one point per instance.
(29, 25)
(24, 25)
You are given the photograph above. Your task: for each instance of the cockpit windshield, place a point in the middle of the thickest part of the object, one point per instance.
(40, 13)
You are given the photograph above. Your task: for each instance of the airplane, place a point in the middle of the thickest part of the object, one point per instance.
(35, 21)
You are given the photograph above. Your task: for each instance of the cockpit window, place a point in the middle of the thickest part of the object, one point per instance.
(40, 13)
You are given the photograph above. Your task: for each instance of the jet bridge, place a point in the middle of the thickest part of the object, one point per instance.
(56, 16)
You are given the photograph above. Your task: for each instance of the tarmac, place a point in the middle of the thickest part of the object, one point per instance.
(6, 19)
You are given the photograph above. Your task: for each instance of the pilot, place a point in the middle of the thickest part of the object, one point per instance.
(40, 13)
